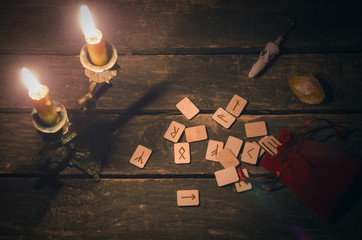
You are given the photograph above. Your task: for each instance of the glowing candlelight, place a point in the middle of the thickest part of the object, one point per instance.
(41, 100)
(97, 49)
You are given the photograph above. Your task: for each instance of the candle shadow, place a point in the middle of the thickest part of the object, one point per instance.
(87, 142)
(95, 135)
(136, 108)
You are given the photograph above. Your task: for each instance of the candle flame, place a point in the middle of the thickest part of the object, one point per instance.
(36, 90)
(92, 34)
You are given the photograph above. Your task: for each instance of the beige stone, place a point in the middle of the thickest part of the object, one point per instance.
(307, 88)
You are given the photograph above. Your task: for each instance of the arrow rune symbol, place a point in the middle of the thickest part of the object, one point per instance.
(249, 152)
(175, 131)
(139, 159)
(237, 104)
(213, 153)
(192, 197)
(182, 151)
(221, 116)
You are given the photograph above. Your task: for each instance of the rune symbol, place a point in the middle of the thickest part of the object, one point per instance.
(182, 151)
(221, 116)
(249, 152)
(175, 131)
(139, 159)
(213, 153)
(237, 104)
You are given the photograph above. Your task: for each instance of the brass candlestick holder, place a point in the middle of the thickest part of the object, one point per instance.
(98, 74)
(55, 138)
(84, 141)
(62, 125)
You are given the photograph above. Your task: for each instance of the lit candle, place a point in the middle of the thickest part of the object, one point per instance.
(40, 97)
(97, 49)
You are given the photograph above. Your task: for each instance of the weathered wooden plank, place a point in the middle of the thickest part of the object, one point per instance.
(146, 208)
(19, 141)
(168, 27)
(157, 83)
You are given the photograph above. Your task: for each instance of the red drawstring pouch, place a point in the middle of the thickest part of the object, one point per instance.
(318, 174)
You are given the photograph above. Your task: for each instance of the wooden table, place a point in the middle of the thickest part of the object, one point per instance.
(169, 50)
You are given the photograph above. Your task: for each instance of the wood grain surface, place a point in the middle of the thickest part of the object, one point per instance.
(147, 209)
(168, 50)
(180, 27)
(157, 83)
(148, 130)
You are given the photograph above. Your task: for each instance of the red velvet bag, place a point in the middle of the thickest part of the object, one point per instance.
(317, 173)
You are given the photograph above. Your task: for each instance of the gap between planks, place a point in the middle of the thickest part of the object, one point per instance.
(176, 112)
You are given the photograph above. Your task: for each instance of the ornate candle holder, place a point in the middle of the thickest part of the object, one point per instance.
(98, 74)
(55, 138)
(82, 144)
(62, 125)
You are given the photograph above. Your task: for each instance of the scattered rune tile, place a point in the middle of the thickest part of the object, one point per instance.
(197, 133)
(226, 176)
(227, 159)
(242, 186)
(187, 108)
(236, 105)
(213, 148)
(188, 198)
(265, 147)
(182, 153)
(269, 144)
(224, 118)
(234, 145)
(250, 153)
(140, 156)
(174, 131)
(256, 129)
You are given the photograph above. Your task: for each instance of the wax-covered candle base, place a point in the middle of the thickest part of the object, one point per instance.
(61, 124)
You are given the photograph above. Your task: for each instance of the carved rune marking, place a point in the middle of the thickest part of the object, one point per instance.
(249, 152)
(221, 116)
(268, 148)
(192, 197)
(139, 159)
(175, 131)
(237, 104)
(276, 144)
(182, 151)
(213, 153)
